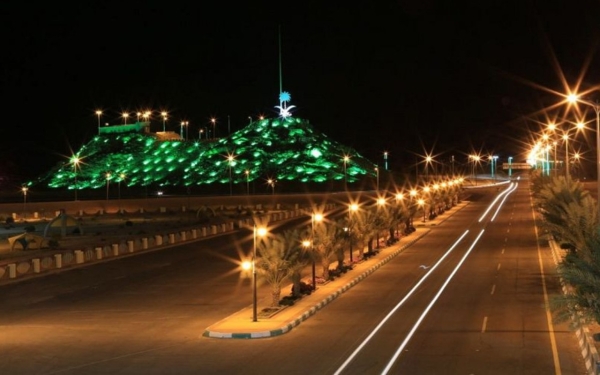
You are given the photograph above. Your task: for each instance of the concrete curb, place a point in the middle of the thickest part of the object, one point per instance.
(319, 305)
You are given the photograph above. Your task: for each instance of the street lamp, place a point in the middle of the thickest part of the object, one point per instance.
(385, 159)
(214, 123)
(164, 116)
(271, 182)
(428, 161)
(138, 114)
(98, 113)
(510, 158)
(24, 189)
(315, 217)
(183, 123)
(573, 98)
(107, 182)
(377, 170)
(146, 116)
(125, 115)
(257, 232)
(421, 203)
(346, 159)
(247, 172)
(75, 161)
(352, 208)
(230, 159)
(494, 165)
(121, 178)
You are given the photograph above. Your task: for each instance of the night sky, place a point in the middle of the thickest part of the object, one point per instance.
(407, 77)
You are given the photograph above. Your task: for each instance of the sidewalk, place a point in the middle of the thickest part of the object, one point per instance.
(241, 326)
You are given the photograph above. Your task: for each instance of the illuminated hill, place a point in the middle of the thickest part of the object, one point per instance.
(280, 149)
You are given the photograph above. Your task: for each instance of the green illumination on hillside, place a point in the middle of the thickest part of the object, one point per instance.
(283, 148)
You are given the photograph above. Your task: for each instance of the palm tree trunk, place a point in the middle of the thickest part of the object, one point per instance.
(276, 296)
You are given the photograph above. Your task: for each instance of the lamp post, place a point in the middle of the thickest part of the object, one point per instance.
(125, 115)
(75, 161)
(164, 116)
(494, 166)
(377, 171)
(230, 159)
(214, 124)
(121, 178)
(315, 217)
(346, 158)
(146, 116)
(247, 172)
(138, 114)
(510, 158)
(200, 133)
(107, 183)
(260, 232)
(421, 203)
(271, 182)
(385, 160)
(428, 160)
(24, 189)
(566, 139)
(352, 208)
(596, 106)
(98, 113)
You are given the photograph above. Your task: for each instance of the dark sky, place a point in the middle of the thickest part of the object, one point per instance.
(407, 77)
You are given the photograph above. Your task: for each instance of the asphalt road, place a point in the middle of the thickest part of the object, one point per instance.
(145, 314)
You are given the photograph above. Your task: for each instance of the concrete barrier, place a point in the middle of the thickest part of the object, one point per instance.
(36, 265)
(78, 256)
(58, 260)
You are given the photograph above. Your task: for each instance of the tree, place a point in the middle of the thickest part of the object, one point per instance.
(570, 215)
(277, 261)
(328, 239)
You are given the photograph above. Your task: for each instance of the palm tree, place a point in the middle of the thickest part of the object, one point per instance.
(328, 238)
(299, 258)
(275, 263)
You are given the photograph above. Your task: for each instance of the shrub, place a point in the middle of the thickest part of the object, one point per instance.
(304, 288)
(287, 301)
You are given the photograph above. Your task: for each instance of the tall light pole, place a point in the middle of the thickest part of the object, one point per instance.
(247, 172)
(271, 182)
(510, 158)
(352, 208)
(421, 203)
(98, 113)
(164, 116)
(146, 116)
(428, 160)
(214, 124)
(346, 158)
(596, 106)
(565, 138)
(75, 161)
(24, 189)
(138, 114)
(377, 171)
(107, 183)
(315, 217)
(385, 160)
(125, 115)
(260, 232)
(121, 178)
(230, 159)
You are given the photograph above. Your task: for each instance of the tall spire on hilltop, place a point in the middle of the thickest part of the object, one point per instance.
(284, 97)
